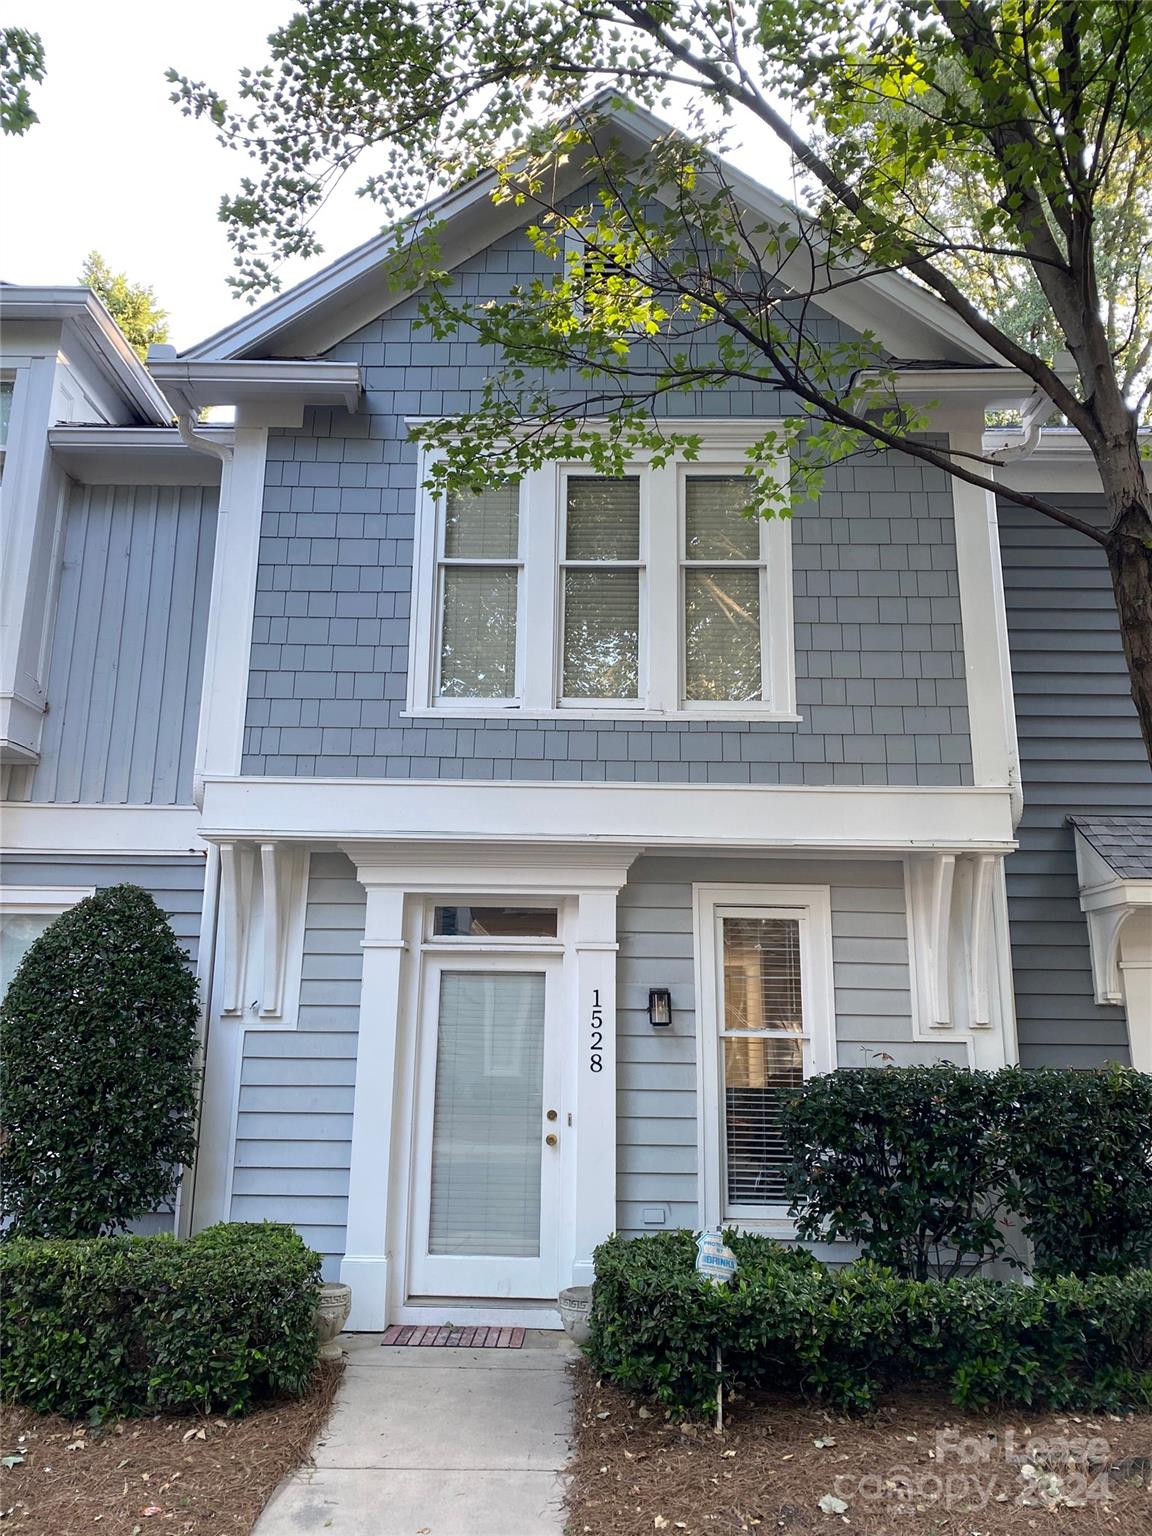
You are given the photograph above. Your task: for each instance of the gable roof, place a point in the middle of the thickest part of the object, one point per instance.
(316, 314)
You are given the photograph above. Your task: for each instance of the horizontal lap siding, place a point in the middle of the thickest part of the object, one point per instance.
(656, 1071)
(294, 1121)
(1080, 753)
(176, 883)
(128, 646)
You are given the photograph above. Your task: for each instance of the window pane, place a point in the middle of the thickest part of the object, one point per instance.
(18, 930)
(714, 522)
(483, 525)
(495, 922)
(478, 640)
(758, 1075)
(486, 1122)
(762, 986)
(603, 518)
(6, 391)
(601, 634)
(722, 635)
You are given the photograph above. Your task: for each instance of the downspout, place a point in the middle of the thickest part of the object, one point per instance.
(198, 442)
(1037, 409)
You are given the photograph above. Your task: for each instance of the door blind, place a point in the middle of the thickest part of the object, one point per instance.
(487, 1115)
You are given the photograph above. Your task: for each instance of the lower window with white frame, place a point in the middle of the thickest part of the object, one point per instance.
(767, 1022)
(25, 912)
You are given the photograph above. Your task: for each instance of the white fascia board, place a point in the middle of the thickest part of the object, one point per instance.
(101, 336)
(100, 829)
(136, 455)
(190, 386)
(1062, 463)
(626, 815)
(913, 317)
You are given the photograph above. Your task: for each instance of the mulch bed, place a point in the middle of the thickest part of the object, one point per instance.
(917, 1467)
(199, 1476)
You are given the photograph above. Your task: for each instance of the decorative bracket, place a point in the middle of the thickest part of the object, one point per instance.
(282, 895)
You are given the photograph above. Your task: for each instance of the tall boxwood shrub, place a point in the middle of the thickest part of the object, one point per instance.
(1079, 1149)
(98, 1081)
(906, 1161)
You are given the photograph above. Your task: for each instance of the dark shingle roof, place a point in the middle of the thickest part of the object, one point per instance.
(1124, 841)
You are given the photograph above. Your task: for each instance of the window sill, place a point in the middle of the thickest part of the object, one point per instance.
(515, 712)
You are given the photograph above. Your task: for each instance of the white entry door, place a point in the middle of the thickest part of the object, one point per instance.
(489, 1133)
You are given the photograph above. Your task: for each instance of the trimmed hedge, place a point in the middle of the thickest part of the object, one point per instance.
(134, 1325)
(920, 1164)
(98, 1074)
(787, 1323)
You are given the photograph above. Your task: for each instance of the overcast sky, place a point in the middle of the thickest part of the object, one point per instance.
(114, 166)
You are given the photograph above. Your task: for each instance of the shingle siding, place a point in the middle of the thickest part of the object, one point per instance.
(880, 671)
(1081, 754)
(294, 1119)
(127, 647)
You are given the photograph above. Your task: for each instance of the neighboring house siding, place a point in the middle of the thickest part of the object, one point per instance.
(880, 669)
(127, 646)
(656, 1070)
(1080, 752)
(294, 1122)
(176, 883)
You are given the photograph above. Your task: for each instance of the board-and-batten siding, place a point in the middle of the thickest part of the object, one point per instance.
(1080, 752)
(128, 646)
(656, 1070)
(294, 1121)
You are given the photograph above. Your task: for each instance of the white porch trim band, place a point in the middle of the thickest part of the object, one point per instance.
(856, 819)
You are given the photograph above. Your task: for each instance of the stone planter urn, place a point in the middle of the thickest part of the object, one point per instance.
(332, 1308)
(575, 1305)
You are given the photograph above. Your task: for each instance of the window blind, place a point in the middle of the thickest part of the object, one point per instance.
(715, 524)
(603, 518)
(483, 525)
(722, 660)
(487, 1116)
(478, 633)
(601, 634)
(763, 1052)
(758, 1075)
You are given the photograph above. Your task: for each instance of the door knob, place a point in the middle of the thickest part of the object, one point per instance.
(552, 1140)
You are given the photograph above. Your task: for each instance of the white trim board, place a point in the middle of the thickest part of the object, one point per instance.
(633, 815)
(43, 898)
(120, 830)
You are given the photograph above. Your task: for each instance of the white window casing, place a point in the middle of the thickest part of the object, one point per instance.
(25, 912)
(672, 583)
(731, 1135)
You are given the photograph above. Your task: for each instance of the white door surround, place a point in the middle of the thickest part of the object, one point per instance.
(399, 879)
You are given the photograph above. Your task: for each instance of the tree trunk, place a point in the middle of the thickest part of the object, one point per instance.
(1130, 562)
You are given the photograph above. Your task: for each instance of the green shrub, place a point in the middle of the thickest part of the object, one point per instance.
(787, 1323)
(1079, 1148)
(133, 1325)
(905, 1161)
(97, 1070)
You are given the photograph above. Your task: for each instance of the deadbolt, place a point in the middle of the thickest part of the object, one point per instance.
(553, 1114)
(552, 1140)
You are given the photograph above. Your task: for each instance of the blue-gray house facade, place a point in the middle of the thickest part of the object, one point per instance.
(529, 844)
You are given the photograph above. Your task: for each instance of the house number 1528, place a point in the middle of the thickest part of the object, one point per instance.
(596, 1054)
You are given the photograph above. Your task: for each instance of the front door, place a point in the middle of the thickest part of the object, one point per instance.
(486, 1189)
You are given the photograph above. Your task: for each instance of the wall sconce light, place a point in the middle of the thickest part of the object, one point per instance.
(660, 1008)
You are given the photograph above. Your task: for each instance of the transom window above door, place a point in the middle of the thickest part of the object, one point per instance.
(655, 593)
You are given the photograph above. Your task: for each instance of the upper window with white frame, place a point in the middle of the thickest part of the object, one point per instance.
(655, 593)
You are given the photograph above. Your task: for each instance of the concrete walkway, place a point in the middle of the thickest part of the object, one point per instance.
(437, 1442)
